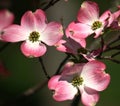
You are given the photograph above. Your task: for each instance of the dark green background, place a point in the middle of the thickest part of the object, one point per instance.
(27, 72)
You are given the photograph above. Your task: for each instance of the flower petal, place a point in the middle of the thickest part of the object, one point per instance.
(14, 33)
(78, 30)
(40, 17)
(30, 49)
(70, 46)
(28, 21)
(62, 89)
(116, 14)
(6, 18)
(98, 32)
(89, 97)
(60, 46)
(94, 75)
(70, 68)
(88, 13)
(52, 34)
(81, 41)
(106, 18)
(53, 82)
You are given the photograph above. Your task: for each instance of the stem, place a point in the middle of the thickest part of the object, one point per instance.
(43, 67)
(34, 89)
(115, 54)
(51, 3)
(76, 100)
(62, 63)
(111, 59)
(102, 46)
(112, 48)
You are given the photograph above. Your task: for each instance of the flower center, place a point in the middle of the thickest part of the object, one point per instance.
(96, 25)
(77, 81)
(34, 36)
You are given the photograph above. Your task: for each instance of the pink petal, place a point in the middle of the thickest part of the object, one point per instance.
(62, 89)
(40, 19)
(88, 13)
(6, 18)
(60, 46)
(30, 49)
(106, 18)
(89, 97)
(70, 68)
(53, 82)
(98, 32)
(116, 14)
(81, 41)
(78, 30)
(70, 46)
(52, 34)
(14, 33)
(28, 21)
(94, 75)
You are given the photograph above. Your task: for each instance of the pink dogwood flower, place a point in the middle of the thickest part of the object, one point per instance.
(35, 32)
(6, 19)
(88, 21)
(89, 78)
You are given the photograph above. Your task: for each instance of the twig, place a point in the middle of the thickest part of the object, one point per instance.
(102, 46)
(43, 67)
(115, 54)
(62, 63)
(34, 89)
(76, 100)
(112, 48)
(109, 58)
(51, 3)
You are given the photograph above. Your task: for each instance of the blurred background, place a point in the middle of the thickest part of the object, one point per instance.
(23, 73)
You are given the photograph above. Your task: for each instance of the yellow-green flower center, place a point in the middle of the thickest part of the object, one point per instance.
(96, 25)
(77, 81)
(34, 36)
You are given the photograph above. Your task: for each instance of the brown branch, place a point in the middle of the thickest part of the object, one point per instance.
(109, 58)
(62, 63)
(51, 3)
(43, 67)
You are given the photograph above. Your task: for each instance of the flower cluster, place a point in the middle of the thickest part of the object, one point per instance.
(84, 73)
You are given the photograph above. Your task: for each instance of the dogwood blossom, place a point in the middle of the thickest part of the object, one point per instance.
(35, 32)
(88, 21)
(6, 19)
(89, 78)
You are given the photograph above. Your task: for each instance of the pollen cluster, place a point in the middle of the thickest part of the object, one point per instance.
(77, 81)
(34, 36)
(96, 25)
